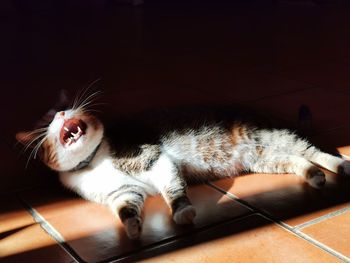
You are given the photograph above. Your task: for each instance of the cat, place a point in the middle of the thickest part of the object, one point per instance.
(74, 144)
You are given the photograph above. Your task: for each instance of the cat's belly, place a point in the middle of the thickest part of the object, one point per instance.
(194, 173)
(95, 183)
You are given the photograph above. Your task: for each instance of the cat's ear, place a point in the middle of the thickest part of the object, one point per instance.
(26, 138)
(62, 104)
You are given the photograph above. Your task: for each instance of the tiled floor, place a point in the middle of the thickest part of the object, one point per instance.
(253, 218)
(274, 64)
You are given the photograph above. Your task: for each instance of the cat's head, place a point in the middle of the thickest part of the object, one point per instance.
(65, 136)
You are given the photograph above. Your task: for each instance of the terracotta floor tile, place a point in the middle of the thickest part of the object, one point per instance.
(324, 105)
(333, 232)
(344, 151)
(251, 239)
(12, 215)
(287, 198)
(23, 240)
(55, 201)
(31, 244)
(93, 232)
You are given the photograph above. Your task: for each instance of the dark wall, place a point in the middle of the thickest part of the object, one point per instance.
(162, 53)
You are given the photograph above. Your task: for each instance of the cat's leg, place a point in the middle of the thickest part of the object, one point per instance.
(277, 163)
(127, 202)
(168, 181)
(290, 143)
(328, 161)
(123, 194)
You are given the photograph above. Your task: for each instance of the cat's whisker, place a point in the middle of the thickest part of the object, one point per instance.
(38, 147)
(89, 102)
(83, 105)
(37, 131)
(75, 101)
(90, 98)
(35, 150)
(40, 131)
(80, 95)
(28, 145)
(89, 106)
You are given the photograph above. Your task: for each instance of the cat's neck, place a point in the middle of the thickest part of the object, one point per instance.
(98, 155)
(87, 161)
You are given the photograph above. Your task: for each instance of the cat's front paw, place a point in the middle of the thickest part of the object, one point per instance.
(185, 215)
(133, 227)
(344, 168)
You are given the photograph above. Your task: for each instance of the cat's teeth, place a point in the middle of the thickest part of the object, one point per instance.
(69, 141)
(73, 137)
(78, 133)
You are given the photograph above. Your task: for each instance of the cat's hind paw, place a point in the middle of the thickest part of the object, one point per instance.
(133, 227)
(316, 178)
(185, 215)
(344, 168)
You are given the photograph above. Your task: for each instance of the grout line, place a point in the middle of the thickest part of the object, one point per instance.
(322, 218)
(51, 231)
(232, 196)
(322, 246)
(309, 239)
(244, 203)
(285, 226)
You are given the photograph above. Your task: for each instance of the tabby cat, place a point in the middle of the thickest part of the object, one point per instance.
(73, 144)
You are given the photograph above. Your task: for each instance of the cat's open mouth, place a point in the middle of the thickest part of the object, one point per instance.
(71, 131)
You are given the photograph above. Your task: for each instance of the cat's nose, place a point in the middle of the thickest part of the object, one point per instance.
(60, 115)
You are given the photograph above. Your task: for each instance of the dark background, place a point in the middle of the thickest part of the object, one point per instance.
(159, 54)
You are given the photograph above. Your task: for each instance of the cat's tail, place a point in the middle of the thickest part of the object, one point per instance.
(327, 161)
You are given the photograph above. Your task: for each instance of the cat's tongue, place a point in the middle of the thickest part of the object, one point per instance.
(71, 131)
